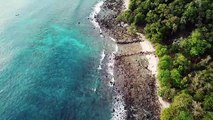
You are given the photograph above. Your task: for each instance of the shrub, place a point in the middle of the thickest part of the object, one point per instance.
(182, 101)
(139, 19)
(173, 113)
(154, 32)
(161, 50)
(165, 62)
(132, 29)
(124, 16)
(184, 115)
(164, 77)
(208, 102)
(167, 92)
(208, 116)
(176, 76)
(166, 114)
(195, 44)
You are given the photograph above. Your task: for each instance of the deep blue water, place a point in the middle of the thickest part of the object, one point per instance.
(48, 62)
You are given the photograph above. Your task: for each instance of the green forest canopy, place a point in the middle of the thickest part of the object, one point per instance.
(182, 31)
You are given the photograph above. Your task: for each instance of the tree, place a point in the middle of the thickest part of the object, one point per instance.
(165, 62)
(202, 83)
(172, 23)
(176, 76)
(154, 32)
(179, 109)
(182, 101)
(133, 5)
(166, 114)
(164, 77)
(182, 33)
(191, 13)
(184, 115)
(195, 44)
(124, 16)
(151, 17)
(181, 62)
(197, 110)
(139, 19)
(161, 50)
(167, 93)
(208, 116)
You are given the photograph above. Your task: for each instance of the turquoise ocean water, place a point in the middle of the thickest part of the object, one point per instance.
(49, 61)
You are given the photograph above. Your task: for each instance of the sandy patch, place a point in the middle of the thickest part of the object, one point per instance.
(126, 4)
(147, 46)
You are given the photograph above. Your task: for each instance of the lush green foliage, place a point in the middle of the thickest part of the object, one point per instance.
(180, 108)
(182, 31)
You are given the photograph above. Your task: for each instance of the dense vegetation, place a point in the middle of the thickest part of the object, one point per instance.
(182, 31)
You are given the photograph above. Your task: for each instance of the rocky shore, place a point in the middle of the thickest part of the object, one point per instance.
(134, 81)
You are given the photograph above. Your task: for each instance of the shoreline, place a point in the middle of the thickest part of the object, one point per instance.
(118, 105)
(133, 80)
(135, 67)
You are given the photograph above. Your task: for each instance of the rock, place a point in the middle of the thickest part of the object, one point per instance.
(122, 24)
(125, 25)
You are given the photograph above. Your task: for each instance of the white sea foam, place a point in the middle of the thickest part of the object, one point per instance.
(111, 63)
(110, 69)
(96, 10)
(118, 108)
(101, 60)
(119, 112)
